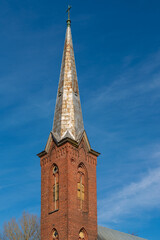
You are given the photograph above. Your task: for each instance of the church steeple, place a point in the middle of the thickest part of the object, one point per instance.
(68, 121)
(68, 163)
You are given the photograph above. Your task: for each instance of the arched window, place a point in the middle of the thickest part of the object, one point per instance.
(82, 191)
(83, 234)
(54, 188)
(55, 235)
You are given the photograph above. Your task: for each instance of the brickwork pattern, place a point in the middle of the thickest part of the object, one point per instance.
(69, 219)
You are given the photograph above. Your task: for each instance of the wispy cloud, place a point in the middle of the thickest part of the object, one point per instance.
(19, 187)
(6, 186)
(21, 115)
(133, 81)
(134, 199)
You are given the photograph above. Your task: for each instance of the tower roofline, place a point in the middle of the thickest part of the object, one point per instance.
(65, 140)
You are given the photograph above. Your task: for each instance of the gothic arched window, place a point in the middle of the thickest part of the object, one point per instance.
(54, 188)
(55, 235)
(83, 234)
(82, 191)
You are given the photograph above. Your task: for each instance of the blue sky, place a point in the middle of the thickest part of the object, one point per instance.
(117, 50)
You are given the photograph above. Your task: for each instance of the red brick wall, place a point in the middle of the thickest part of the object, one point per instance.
(68, 220)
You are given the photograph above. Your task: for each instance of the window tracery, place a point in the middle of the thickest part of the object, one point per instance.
(83, 235)
(55, 186)
(55, 235)
(82, 191)
(54, 189)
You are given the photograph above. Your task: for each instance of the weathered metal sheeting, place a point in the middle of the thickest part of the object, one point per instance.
(110, 234)
(68, 121)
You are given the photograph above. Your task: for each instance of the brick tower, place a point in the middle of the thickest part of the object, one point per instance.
(68, 164)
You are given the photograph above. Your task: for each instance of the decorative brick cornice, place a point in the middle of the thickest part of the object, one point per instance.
(44, 161)
(83, 142)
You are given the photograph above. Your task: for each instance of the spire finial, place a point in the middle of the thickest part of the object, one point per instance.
(68, 20)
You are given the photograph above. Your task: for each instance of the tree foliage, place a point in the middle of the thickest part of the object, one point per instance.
(27, 228)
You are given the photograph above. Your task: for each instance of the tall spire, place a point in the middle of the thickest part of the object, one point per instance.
(68, 121)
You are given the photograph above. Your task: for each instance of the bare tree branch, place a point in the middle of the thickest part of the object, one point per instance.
(27, 228)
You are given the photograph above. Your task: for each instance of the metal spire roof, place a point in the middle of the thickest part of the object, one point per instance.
(110, 234)
(68, 121)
